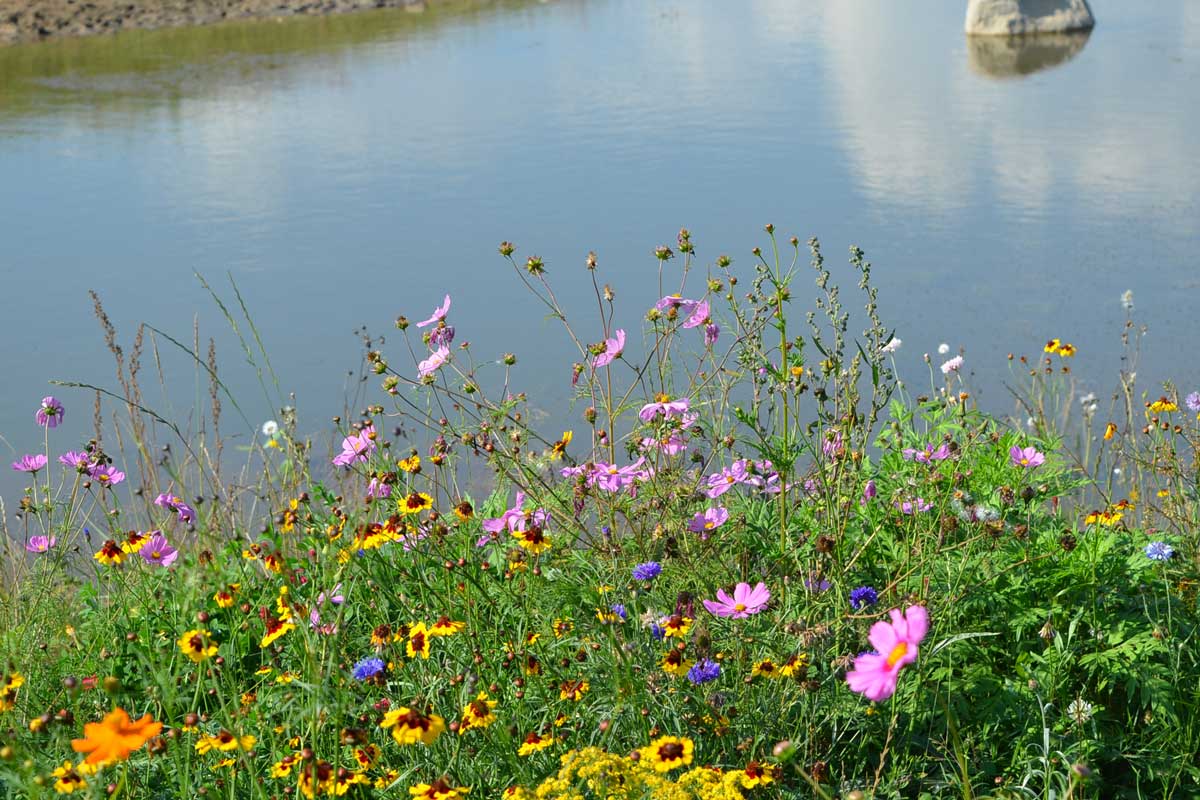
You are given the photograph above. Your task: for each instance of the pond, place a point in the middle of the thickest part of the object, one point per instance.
(346, 170)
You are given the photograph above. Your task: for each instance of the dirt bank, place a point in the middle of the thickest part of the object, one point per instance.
(31, 20)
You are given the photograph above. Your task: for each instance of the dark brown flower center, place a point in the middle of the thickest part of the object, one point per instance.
(672, 751)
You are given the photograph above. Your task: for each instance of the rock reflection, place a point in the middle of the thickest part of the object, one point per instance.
(1018, 56)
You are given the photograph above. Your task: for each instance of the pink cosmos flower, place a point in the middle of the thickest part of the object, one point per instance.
(705, 522)
(928, 455)
(745, 601)
(765, 478)
(833, 446)
(613, 348)
(377, 489)
(436, 359)
(79, 460)
(356, 447)
(29, 463)
(169, 501)
(875, 674)
(314, 616)
(514, 520)
(698, 317)
(668, 408)
(672, 444)
(711, 332)
(40, 544)
(612, 478)
(106, 474)
(723, 481)
(1027, 457)
(916, 506)
(674, 301)
(50, 413)
(158, 551)
(439, 313)
(952, 365)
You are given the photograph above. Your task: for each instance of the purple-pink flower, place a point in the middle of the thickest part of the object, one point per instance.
(169, 501)
(77, 460)
(356, 447)
(439, 314)
(832, 445)
(673, 302)
(1027, 457)
(711, 332)
(514, 520)
(106, 474)
(705, 522)
(314, 615)
(50, 413)
(612, 478)
(917, 505)
(928, 454)
(698, 317)
(30, 463)
(436, 359)
(377, 489)
(613, 348)
(745, 601)
(664, 406)
(40, 544)
(158, 551)
(896, 642)
(721, 482)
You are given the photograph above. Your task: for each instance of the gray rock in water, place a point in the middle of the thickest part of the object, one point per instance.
(1014, 17)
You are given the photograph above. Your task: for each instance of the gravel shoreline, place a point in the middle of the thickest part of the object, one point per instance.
(34, 20)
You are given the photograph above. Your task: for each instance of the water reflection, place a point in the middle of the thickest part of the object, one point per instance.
(1018, 56)
(143, 70)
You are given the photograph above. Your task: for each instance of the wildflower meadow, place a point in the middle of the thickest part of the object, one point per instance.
(755, 564)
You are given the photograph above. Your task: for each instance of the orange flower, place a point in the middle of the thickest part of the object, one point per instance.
(115, 737)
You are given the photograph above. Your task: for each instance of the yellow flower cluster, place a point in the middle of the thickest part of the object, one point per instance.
(593, 772)
(1063, 350)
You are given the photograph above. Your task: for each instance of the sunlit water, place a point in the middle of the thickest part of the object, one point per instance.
(350, 169)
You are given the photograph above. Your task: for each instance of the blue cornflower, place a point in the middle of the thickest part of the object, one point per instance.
(863, 596)
(1159, 551)
(704, 671)
(1193, 401)
(368, 668)
(657, 631)
(648, 571)
(619, 610)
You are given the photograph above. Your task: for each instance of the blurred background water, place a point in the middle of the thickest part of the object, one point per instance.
(348, 169)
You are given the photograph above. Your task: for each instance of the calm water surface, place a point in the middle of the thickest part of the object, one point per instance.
(350, 169)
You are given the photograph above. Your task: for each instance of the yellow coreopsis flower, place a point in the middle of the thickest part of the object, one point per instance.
(535, 742)
(418, 641)
(409, 726)
(477, 713)
(668, 752)
(197, 644)
(533, 539)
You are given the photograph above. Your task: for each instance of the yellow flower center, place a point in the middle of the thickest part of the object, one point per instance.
(898, 652)
(739, 607)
